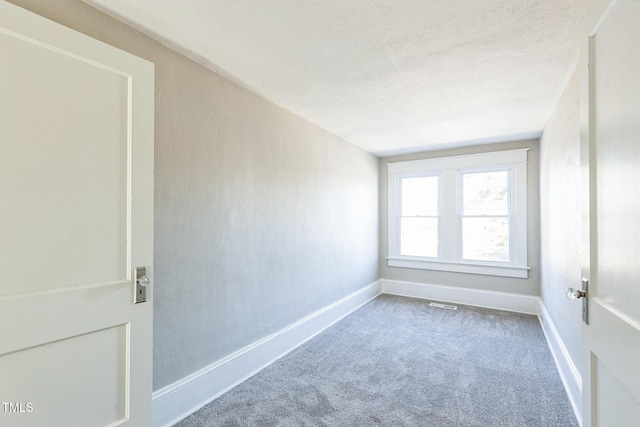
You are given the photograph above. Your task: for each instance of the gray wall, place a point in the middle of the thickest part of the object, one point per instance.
(561, 216)
(261, 217)
(529, 286)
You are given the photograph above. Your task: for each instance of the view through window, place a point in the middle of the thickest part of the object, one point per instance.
(419, 223)
(486, 219)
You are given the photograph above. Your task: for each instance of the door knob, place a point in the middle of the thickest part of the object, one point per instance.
(575, 293)
(141, 281)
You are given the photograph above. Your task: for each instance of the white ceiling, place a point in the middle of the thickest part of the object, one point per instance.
(390, 76)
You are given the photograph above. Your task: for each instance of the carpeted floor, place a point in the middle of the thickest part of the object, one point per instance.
(399, 362)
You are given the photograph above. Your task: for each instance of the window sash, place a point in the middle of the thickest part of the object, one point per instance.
(461, 188)
(426, 245)
(465, 244)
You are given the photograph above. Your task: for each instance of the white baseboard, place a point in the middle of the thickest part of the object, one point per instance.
(176, 401)
(569, 374)
(476, 297)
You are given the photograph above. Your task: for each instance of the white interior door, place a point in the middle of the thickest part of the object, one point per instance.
(76, 217)
(611, 146)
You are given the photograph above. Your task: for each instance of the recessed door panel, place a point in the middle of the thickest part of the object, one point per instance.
(616, 406)
(40, 396)
(63, 169)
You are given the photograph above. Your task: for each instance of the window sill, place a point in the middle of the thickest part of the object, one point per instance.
(459, 267)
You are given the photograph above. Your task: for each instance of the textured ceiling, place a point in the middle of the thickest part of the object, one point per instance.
(391, 76)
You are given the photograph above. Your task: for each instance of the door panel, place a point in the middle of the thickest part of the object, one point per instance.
(611, 340)
(63, 179)
(98, 365)
(617, 407)
(76, 217)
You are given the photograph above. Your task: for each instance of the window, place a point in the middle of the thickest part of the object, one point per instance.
(464, 214)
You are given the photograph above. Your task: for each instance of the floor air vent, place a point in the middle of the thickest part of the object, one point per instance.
(447, 306)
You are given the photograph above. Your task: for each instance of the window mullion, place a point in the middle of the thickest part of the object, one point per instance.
(449, 229)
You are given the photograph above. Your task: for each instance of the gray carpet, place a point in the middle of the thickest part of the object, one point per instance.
(399, 362)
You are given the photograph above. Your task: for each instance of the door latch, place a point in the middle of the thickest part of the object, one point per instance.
(141, 282)
(584, 293)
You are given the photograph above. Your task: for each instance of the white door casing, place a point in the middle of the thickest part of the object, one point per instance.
(76, 217)
(610, 145)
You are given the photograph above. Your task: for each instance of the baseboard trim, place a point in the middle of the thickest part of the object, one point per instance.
(178, 400)
(475, 297)
(569, 374)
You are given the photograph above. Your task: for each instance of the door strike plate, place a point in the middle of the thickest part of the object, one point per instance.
(585, 301)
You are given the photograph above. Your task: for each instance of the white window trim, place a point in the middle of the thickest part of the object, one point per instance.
(450, 169)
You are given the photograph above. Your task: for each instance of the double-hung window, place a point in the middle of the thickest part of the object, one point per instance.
(463, 214)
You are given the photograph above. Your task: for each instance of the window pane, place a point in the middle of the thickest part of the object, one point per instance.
(419, 237)
(486, 193)
(420, 196)
(485, 239)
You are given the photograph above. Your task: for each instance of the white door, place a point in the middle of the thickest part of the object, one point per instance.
(76, 217)
(611, 148)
